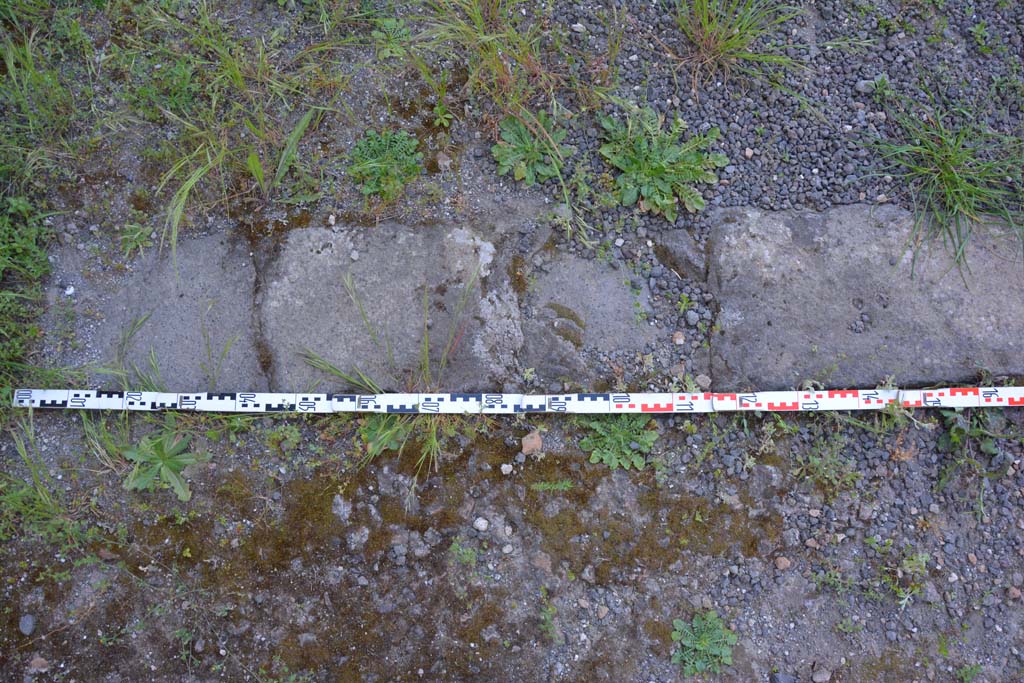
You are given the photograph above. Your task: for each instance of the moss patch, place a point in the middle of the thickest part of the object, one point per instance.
(892, 666)
(566, 313)
(672, 525)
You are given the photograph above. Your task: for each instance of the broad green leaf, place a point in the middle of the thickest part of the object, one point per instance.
(142, 478)
(136, 455)
(178, 444)
(183, 460)
(177, 483)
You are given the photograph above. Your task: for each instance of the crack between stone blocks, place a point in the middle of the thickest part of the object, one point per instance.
(715, 307)
(264, 355)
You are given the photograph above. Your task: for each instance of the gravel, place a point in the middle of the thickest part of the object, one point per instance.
(821, 675)
(27, 624)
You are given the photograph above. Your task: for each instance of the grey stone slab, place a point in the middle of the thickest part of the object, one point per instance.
(679, 251)
(581, 305)
(829, 297)
(406, 284)
(200, 324)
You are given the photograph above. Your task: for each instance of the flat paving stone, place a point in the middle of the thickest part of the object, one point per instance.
(200, 325)
(366, 300)
(830, 297)
(581, 305)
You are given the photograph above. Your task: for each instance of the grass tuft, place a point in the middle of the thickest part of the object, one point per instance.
(962, 175)
(23, 265)
(229, 98)
(733, 36)
(36, 505)
(37, 108)
(176, 211)
(501, 50)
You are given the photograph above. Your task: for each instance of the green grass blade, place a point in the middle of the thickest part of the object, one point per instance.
(181, 196)
(290, 147)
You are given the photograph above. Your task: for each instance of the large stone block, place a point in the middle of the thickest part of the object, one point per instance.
(198, 312)
(830, 297)
(580, 305)
(373, 313)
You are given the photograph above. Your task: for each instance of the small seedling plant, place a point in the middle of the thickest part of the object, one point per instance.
(967, 673)
(384, 163)
(969, 437)
(548, 612)
(705, 644)
(981, 37)
(163, 456)
(827, 468)
(135, 238)
(532, 156)
(658, 170)
(390, 37)
(903, 573)
(619, 440)
(442, 117)
(284, 439)
(967, 430)
(906, 580)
